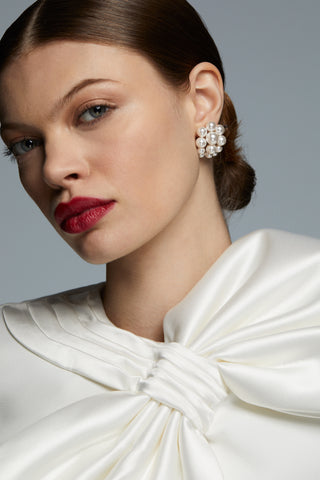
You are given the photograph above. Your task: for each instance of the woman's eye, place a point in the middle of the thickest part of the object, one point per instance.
(94, 113)
(24, 146)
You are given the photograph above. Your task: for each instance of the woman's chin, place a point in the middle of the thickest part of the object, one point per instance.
(97, 256)
(99, 249)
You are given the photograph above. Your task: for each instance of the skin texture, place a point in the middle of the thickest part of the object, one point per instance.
(166, 228)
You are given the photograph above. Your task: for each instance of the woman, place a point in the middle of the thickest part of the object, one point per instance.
(197, 358)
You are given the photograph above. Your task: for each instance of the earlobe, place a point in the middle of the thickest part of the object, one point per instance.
(207, 93)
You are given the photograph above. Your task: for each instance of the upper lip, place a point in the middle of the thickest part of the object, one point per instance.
(76, 206)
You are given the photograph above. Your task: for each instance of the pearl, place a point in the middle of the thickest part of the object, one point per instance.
(211, 149)
(211, 126)
(222, 140)
(201, 142)
(212, 138)
(220, 129)
(202, 132)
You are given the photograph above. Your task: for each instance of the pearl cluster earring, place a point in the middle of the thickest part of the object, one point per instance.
(210, 140)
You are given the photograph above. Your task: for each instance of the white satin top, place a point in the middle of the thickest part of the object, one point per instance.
(233, 393)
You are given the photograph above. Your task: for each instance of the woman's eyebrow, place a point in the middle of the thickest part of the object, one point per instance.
(62, 101)
(75, 89)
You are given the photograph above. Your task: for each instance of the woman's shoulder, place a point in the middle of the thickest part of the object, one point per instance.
(31, 387)
(281, 239)
(274, 257)
(24, 313)
(277, 249)
(74, 295)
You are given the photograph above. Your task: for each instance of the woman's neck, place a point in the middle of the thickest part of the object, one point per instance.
(143, 286)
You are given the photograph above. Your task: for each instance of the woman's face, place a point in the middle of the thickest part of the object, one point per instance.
(98, 134)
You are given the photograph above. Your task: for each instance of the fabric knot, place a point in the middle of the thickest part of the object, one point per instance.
(185, 381)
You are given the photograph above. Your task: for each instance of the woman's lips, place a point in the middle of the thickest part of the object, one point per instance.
(81, 213)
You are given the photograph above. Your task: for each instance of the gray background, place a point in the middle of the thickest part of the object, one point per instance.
(270, 51)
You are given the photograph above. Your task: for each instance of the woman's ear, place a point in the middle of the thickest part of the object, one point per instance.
(207, 93)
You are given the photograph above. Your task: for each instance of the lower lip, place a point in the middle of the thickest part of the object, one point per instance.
(87, 219)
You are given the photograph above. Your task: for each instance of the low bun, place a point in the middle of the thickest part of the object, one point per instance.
(235, 179)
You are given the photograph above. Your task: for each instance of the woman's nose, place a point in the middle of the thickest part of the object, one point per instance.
(64, 163)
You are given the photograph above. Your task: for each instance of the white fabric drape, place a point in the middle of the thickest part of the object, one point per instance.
(233, 393)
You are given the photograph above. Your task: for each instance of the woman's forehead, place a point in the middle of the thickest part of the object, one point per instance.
(75, 56)
(53, 69)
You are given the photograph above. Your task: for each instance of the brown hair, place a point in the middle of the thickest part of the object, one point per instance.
(170, 33)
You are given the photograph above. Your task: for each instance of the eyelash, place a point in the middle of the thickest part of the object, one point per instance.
(8, 151)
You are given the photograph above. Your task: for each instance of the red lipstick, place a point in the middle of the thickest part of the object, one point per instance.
(81, 213)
